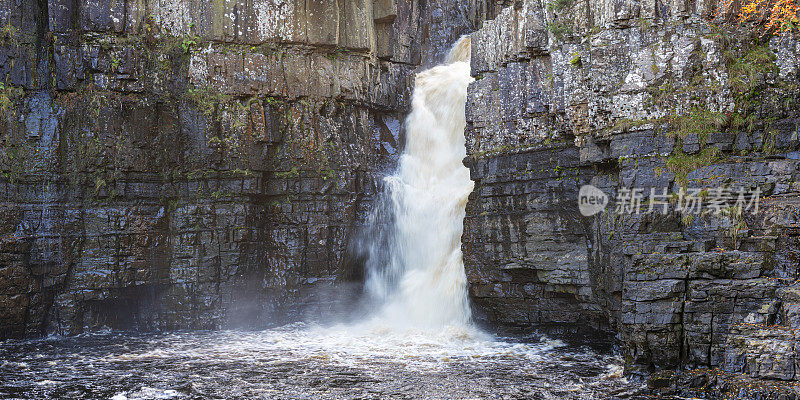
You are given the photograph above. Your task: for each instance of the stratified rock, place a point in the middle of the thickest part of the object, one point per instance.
(176, 164)
(633, 95)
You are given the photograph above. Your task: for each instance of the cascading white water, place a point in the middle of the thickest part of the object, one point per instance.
(422, 282)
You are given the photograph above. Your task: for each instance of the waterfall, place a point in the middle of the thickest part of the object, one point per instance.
(420, 281)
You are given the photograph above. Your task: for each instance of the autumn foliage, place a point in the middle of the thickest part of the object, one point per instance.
(774, 17)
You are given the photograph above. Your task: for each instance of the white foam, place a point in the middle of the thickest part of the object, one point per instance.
(149, 394)
(423, 284)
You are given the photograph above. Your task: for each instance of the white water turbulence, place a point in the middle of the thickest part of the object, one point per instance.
(422, 284)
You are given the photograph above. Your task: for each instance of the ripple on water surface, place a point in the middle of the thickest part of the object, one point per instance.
(305, 362)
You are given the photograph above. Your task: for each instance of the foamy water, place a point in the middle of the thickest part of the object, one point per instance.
(422, 283)
(302, 361)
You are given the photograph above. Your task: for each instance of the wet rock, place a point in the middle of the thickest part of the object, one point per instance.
(193, 164)
(676, 286)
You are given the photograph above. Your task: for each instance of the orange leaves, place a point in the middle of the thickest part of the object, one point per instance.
(783, 16)
(772, 16)
(755, 10)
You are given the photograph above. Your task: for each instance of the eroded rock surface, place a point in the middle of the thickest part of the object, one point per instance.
(636, 94)
(171, 164)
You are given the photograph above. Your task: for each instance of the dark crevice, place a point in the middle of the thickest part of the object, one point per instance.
(43, 46)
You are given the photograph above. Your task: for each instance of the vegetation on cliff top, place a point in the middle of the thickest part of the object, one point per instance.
(751, 69)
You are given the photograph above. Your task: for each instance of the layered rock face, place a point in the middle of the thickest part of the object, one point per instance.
(643, 95)
(191, 164)
(170, 164)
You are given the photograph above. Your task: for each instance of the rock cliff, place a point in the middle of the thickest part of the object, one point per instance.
(627, 95)
(170, 164)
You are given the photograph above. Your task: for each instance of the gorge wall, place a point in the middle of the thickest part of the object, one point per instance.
(650, 95)
(188, 164)
(194, 164)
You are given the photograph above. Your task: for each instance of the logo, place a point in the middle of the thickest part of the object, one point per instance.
(591, 200)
